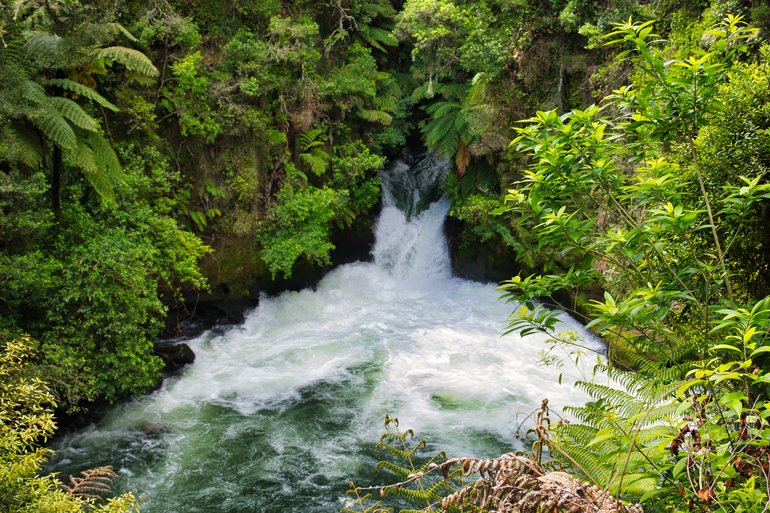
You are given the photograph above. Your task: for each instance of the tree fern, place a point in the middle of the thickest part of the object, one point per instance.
(133, 60)
(84, 158)
(81, 90)
(75, 113)
(375, 116)
(105, 157)
(43, 43)
(377, 38)
(24, 147)
(54, 127)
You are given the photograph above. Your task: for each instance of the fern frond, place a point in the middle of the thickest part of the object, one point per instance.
(74, 112)
(82, 90)
(25, 147)
(93, 484)
(83, 158)
(317, 160)
(378, 38)
(311, 139)
(375, 116)
(133, 60)
(105, 157)
(462, 157)
(34, 92)
(119, 29)
(54, 127)
(401, 472)
(43, 43)
(402, 454)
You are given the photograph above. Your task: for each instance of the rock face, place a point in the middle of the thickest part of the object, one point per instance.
(175, 355)
(489, 261)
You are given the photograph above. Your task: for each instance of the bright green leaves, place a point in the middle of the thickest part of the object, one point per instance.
(26, 420)
(300, 223)
(190, 97)
(628, 199)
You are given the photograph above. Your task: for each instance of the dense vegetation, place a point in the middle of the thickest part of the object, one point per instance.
(154, 151)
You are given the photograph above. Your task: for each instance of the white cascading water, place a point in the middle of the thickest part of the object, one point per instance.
(280, 413)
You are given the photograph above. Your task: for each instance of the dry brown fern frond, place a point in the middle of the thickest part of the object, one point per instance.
(515, 484)
(93, 483)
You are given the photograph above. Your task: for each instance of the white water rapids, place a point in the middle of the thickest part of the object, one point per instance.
(278, 414)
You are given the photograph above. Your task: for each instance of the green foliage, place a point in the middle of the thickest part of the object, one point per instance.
(90, 294)
(26, 420)
(404, 459)
(191, 99)
(300, 225)
(622, 195)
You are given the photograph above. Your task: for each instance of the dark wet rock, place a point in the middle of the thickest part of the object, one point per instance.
(175, 355)
(153, 429)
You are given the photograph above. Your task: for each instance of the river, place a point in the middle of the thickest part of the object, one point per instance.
(280, 413)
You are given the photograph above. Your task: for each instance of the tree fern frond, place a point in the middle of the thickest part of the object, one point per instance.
(83, 158)
(82, 90)
(133, 60)
(74, 112)
(43, 43)
(317, 160)
(375, 116)
(105, 157)
(119, 29)
(55, 127)
(34, 92)
(92, 484)
(25, 147)
(594, 467)
(378, 38)
(311, 138)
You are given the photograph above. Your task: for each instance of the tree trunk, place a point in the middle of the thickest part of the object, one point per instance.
(56, 177)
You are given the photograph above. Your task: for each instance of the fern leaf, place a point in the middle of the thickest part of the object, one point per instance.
(317, 160)
(133, 60)
(92, 484)
(105, 157)
(311, 139)
(375, 116)
(55, 127)
(82, 90)
(43, 43)
(83, 158)
(75, 113)
(378, 38)
(401, 472)
(119, 29)
(34, 92)
(25, 147)
(462, 158)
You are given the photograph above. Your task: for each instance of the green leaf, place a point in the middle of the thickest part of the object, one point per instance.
(81, 90)
(75, 113)
(55, 127)
(133, 60)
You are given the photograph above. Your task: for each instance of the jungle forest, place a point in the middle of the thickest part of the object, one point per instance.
(532, 236)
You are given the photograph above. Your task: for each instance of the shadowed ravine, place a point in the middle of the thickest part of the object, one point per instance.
(278, 414)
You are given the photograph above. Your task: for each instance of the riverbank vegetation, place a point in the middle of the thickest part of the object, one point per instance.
(154, 152)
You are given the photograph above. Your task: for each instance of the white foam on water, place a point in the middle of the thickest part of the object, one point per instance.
(282, 405)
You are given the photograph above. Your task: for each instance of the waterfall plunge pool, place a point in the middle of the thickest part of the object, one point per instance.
(280, 413)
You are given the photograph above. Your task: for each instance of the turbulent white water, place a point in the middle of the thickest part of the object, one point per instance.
(278, 414)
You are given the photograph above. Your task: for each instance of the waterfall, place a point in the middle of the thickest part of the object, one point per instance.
(280, 413)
